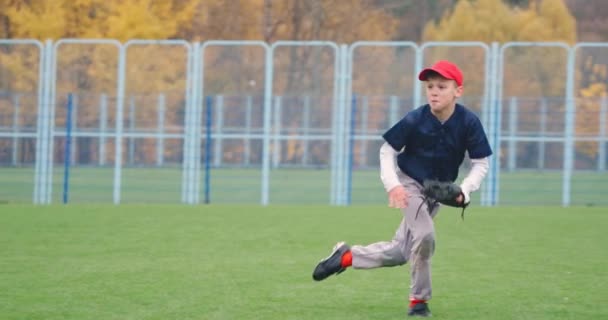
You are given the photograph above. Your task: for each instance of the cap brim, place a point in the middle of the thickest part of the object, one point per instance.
(423, 75)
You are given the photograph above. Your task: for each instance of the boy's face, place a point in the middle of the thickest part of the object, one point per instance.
(441, 93)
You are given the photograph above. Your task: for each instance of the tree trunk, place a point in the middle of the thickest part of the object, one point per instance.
(317, 70)
(267, 28)
(296, 19)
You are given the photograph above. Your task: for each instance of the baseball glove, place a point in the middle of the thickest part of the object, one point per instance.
(443, 192)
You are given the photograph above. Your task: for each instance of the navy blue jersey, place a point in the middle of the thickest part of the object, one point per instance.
(434, 150)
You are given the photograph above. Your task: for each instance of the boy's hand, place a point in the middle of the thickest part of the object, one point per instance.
(460, 199)
(397, 197)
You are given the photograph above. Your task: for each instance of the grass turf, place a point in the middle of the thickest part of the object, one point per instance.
(250, 262)
(287, 186)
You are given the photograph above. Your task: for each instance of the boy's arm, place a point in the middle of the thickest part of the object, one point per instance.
(471, 183)
(388, 165)
(397, 195)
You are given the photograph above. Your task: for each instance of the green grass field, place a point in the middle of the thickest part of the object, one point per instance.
(287, 186)
(251, 262)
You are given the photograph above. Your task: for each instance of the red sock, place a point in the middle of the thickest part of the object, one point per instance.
(347, 259)
(414, 302)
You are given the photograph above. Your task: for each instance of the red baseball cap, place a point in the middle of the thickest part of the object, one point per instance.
(446, 69)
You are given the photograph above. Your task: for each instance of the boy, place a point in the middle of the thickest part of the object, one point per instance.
(428, 143)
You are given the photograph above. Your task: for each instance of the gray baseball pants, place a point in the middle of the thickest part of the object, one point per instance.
(414, 241)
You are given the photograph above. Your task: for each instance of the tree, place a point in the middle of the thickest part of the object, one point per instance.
(494, 21)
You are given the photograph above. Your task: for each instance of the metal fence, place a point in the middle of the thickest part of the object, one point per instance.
(293, 122)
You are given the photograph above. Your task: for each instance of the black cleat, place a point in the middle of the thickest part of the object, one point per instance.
(419, 310)
(331, 264)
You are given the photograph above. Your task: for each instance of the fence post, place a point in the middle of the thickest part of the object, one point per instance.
(512, 161)
(247, 141)
(119, 124)
(131, 130)
(350, 156)
(491, 114)
(209, 114)
(306, 128)
(160, 142)
(419, 64)
(50, 160)
(569, 131)
(543, 132)
(49, 124)
(267, 125)
(601, 157)
(393, 110)
(364, 117)
(67, 150)
(188, 146)
(219, 124)
(103, 120)
(15, 130)
(74, 128)
(276, 154)
(344, 133)
(43, 86)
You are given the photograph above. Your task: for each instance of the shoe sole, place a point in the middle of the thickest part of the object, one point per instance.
(419, 315)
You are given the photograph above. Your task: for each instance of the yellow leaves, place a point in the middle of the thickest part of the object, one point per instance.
(483, 20)
(549, 20)
(369, 24)
(145, 19)
(139, 19)
(42, 20)
(431, 31)
(493, 20)
(185, 15)
(558, 18)
(594, 78)
(594, 90)
(19, 66)
(337, 20)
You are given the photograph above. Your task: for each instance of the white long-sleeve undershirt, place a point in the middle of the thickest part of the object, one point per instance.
(390, 179)
(388, 167)
(472, 182)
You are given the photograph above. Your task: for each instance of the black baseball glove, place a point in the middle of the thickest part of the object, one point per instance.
(443, 192)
